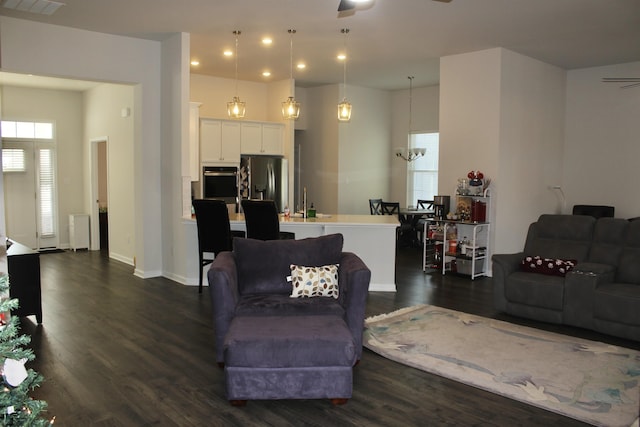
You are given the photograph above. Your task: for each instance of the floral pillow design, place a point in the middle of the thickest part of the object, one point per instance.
(550, 266)
(309, 282)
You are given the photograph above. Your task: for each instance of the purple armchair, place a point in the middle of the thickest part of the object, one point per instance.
(277, 346)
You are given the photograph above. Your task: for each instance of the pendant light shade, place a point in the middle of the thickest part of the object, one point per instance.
(236, 108)
(290, 107)
(344, 111)
(344, 108)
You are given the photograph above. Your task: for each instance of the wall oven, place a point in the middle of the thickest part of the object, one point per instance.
(220, 182)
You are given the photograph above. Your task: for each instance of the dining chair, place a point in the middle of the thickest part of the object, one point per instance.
(214, 231)
(262, 221)
(424, 204)
(375, 206)
(419, 225)
(390, 208)
(405, 230)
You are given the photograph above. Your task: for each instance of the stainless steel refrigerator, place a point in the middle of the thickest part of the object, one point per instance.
(264, 177)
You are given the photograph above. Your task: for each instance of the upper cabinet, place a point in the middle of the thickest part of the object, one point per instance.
(262, 138)
(219, 141)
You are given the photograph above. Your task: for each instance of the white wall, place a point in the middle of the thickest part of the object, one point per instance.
(345, 163)
(65, 109)
(602, 145)
(103, 119)
(363, 152)
(175, 131)
(319, 146)
(501, 113)
(425, 118)
(42, 49)
(530, 152)
(215, 92)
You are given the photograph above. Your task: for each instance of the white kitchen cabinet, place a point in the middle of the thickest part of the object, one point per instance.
(251, 138)
(219, 141)
(272, 138)
(262, 138)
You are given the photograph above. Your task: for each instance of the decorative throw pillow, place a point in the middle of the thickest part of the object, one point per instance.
(551, 266)
(309, 282)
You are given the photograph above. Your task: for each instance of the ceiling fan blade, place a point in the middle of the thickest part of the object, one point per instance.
(346, 5)
(620, 79)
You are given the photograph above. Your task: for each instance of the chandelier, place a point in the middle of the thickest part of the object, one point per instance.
(344, 108)
(410, 154)
(235, 108)
(291, 108)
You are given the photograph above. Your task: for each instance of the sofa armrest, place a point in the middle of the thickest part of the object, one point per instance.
(579, 292)
(223, 289)
(503, 266)
(354, 278)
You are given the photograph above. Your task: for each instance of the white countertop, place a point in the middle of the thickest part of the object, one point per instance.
(323, 219)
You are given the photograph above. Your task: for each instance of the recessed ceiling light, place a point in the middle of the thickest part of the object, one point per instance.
(228, 52)
(195, 62)
(342, 56)
(266, 73)
(267, 41)
(301, 66)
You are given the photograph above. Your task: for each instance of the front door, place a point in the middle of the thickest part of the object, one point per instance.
(29, 192)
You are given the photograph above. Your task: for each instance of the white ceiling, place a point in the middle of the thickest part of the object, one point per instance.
(388, 40)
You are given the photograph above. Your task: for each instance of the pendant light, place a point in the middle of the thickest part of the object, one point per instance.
(235, 108)
(344, 108)
(411, 154)
(291, 108)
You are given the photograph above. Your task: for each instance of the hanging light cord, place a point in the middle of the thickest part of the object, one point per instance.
(410, 100)
(344, 31)
(237, 33)
(291, 32)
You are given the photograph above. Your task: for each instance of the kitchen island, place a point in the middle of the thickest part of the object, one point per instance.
(371, 237)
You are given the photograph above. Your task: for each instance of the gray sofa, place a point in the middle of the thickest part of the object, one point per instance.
(277, 346)
(602, 291)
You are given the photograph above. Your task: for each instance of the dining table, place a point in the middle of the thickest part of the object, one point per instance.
(410, 217)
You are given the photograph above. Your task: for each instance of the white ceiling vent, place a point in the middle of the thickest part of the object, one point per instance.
(44, 7)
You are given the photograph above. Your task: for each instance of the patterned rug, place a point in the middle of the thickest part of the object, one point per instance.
(590, 381)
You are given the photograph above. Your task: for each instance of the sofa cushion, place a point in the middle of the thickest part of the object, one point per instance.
(538, 290)
(284, 305)
(560, 236)
(312, 282)
(629, 267)
(609, 236)
(551, 266)
(618, 302)
(263, 266)
(284, 342)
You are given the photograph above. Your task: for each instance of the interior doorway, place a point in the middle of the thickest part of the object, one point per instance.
(99, 195)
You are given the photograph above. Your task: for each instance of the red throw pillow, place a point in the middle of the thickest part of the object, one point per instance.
(550, 266)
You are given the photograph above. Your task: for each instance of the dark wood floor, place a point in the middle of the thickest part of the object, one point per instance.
(116, 350)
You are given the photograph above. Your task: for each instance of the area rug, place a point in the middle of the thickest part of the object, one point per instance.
(590, 381)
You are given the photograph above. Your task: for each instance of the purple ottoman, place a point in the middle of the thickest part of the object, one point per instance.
(289, 357)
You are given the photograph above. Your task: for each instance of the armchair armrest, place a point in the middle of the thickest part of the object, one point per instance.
(579, 292)
(503, 266)
(223, 289)
(354, 277)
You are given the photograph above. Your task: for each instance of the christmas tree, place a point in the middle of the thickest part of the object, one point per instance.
(16, 406)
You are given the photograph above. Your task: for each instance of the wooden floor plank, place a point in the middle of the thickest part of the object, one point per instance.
(117, 350)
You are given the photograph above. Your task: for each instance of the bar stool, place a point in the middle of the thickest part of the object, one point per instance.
(261, 219)
(214, 231)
